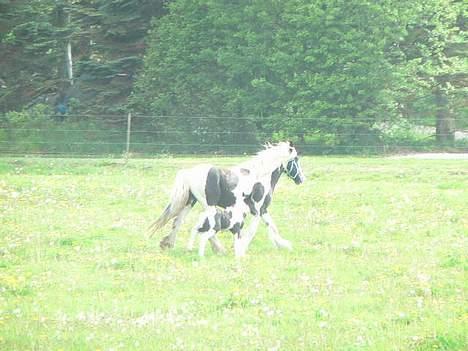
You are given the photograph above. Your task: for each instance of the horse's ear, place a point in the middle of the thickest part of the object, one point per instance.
(291, 144)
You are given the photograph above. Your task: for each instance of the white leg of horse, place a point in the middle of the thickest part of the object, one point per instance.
(169, 240)
(215, 243)
(203, 240)
(238, 246)
(273, 233)
(193, 235)
(199, 228)
(247, 236)
(217, 246)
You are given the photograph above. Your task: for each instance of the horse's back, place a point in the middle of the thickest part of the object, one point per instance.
(216, 186)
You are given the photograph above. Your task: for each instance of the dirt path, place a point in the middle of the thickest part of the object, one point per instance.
(434, 156)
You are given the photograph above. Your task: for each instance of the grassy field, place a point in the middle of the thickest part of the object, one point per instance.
(379, 260)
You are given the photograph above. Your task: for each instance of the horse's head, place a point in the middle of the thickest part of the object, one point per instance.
(286, 153)
(294, 171)
(293, 168)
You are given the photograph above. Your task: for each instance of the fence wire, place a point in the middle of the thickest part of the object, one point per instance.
(80, 135)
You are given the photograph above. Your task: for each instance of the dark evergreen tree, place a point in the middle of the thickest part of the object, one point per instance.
(32, 52)
(87, 50)
(116, 34)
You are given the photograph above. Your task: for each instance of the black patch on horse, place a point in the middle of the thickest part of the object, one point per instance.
(265, 204)
(236, 228)
(275, 176)
(212, 189)
(206, 226)
(219, 186)
(191, 200)
(257, 192)
(222, 220)
(244, 171)
(228, 183)
(250, 203)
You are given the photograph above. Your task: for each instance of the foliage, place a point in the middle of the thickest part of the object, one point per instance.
(434, 65)
(106, 69)
(31, 52)
(106, 38)
(39, 131)
(285, 60)
(331, 67)
(324, 74)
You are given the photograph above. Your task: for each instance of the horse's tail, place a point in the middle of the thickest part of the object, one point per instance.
(179, 198)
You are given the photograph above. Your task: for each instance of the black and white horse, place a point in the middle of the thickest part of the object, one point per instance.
(232, 218)
(249, 184)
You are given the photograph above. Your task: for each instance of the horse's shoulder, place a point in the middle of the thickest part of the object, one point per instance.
(229, 177)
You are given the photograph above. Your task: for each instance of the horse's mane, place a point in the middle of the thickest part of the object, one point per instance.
(268, 159)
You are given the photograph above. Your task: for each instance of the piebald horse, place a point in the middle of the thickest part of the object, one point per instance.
(232, 218)
(245, 187)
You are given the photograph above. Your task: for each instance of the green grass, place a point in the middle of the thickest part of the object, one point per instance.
(379, 260)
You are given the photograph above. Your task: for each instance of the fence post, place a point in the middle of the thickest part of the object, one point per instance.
(129, 128)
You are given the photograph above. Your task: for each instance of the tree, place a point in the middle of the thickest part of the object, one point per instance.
(434, 64)
(94, 45)
(115, 32)
(294, 66)
(31, 50)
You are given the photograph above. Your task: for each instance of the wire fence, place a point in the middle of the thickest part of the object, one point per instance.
(146, 135)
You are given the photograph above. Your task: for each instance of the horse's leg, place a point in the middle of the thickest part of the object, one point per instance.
(243, 239)
(169, 240)
(214, 241)
(238, 245)
(204, 237)
(193, 235)
(273, 233)
(217, 246)
(203, 225)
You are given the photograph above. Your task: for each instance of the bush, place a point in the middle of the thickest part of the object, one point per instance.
(21, 129)
(38, 131)
(405, 135)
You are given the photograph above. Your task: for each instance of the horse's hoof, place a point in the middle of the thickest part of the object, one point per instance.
(239, 251)
(218, 249)
(221, 252)
(283, 244)
(166, 245)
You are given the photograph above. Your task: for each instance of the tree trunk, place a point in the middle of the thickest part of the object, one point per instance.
(65, 61)
(445, 125)
(69, 60)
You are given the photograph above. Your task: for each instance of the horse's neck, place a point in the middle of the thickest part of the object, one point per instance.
(275, 176)
(260, 167)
